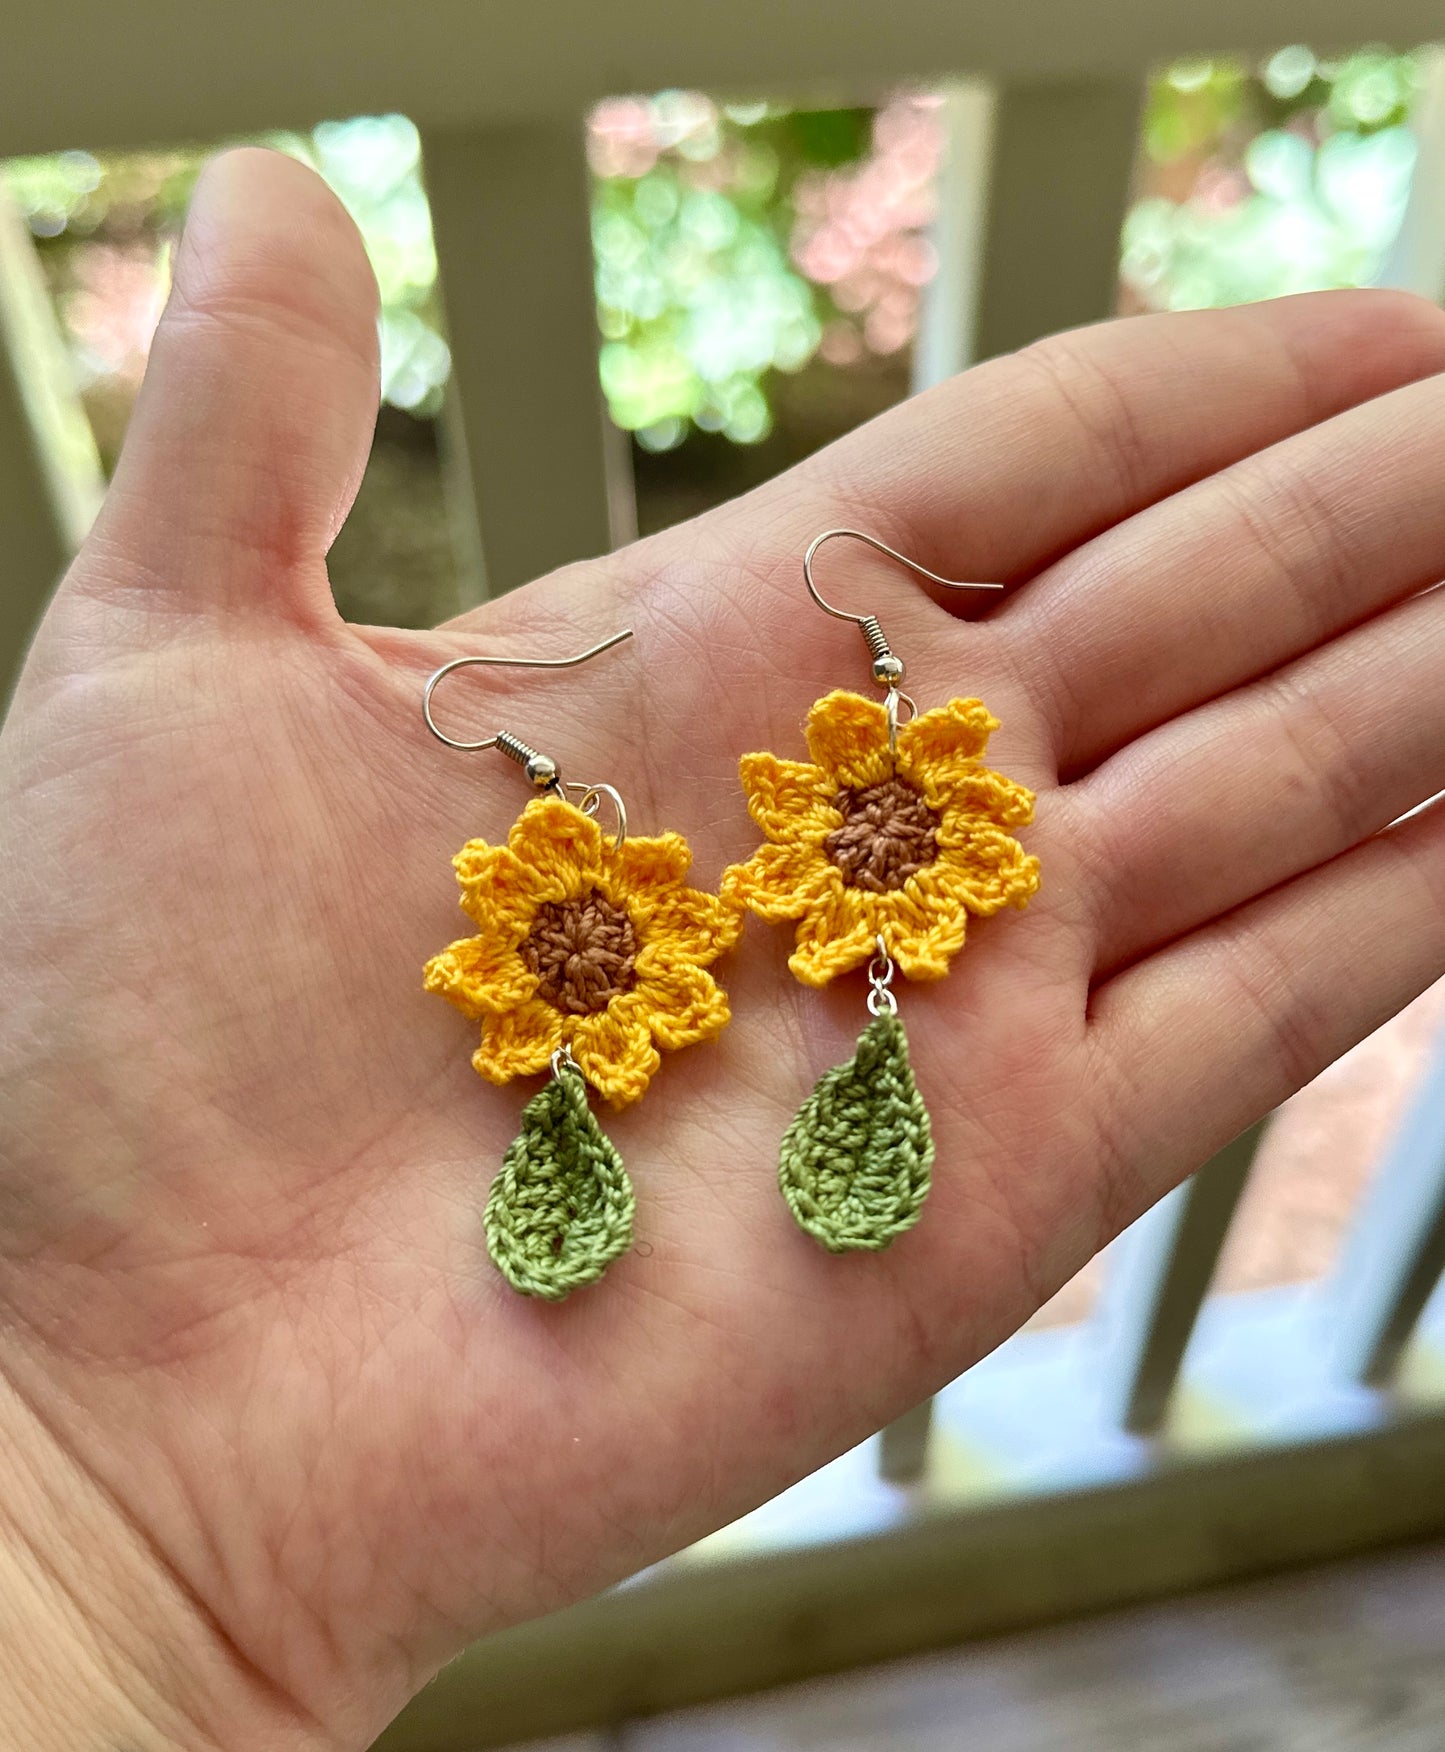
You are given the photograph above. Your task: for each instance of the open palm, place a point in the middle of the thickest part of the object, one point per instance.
(248, 1316)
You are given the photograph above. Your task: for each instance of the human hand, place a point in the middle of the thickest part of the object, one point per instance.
(277, 1439)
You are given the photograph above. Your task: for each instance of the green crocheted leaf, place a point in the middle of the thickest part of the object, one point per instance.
(560, 1210)
(854, 1164)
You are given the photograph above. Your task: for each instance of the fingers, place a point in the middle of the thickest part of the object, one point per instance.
(997, 471)
(1208, 1035)
(988, 476)
(252, 427)
(1252, 789)
(1238, 574)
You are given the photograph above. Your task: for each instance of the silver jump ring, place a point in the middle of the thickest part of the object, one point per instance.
(881, 970)
(591, 803)
(896, 698)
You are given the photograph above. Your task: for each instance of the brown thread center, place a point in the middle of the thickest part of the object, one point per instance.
(888, 834)
(583, 952)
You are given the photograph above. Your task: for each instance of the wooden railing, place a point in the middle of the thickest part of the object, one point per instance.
(1175, 1438)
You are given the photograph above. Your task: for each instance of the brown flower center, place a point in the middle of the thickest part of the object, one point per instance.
(888, 834)
(583, 952)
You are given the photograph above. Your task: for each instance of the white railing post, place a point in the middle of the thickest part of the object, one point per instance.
(50, 478)
(945, 341)
(1032, 203)
(535, 479)
(903, 1445)
(1416, 259)
(1395, 1252)
(1161, 1270)
(1027, 240)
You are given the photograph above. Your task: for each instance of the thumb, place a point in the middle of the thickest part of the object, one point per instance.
(252, 427)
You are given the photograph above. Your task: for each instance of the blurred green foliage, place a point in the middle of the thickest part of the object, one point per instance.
(374, 164)
(106, 225)
(732, 242)
(1287, 177)
(696, 299)
(735, 242)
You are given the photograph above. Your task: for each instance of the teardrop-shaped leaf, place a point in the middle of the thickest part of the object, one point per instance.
(854, 1164)
(560, 1210)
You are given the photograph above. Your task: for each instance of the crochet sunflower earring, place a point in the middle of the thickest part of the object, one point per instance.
(590, 956)
(879, 847)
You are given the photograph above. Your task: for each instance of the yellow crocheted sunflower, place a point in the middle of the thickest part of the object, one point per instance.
(584, 944)
(864, 843)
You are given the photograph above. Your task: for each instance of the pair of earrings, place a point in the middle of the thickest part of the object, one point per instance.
(592, 955)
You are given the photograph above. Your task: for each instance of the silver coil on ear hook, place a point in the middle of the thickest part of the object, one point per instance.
(541, 770)
(887, 666)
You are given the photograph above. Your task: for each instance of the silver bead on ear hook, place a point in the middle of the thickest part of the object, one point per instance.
(887, 667)
(541, 770)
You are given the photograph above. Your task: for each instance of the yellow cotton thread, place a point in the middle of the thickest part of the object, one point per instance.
(590, 959)
(867, 842)
(584, 944)
(878, 839)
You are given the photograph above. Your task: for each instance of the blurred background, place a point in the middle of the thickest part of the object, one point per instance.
(759, 271)
(606, 309)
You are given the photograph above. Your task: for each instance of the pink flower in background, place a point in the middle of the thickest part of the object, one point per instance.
(626, 135)
(1220, 187)
(113, 307)
(860, 231)
(621, 140)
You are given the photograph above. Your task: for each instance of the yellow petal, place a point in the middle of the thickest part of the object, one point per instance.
(848, 738)
(781, 881)
(552, 853)
(558, 848)
(962, 727)
(834, 938)
(988, 871)
(658, 862)
(615, 1051)
(476, 860)
(520, 1043)
(965, 794)
(644, 877)
(789, 799)
(682, 1004)
(498, 891)
(925, 954)
(481, 976)
(922, 924)
(688, 924)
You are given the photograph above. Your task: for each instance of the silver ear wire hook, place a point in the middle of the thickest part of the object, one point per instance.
(887, 667)
(501, 737)
(540, 769)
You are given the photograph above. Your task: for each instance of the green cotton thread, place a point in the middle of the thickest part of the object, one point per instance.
(854, 1164)
(560, 1210)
